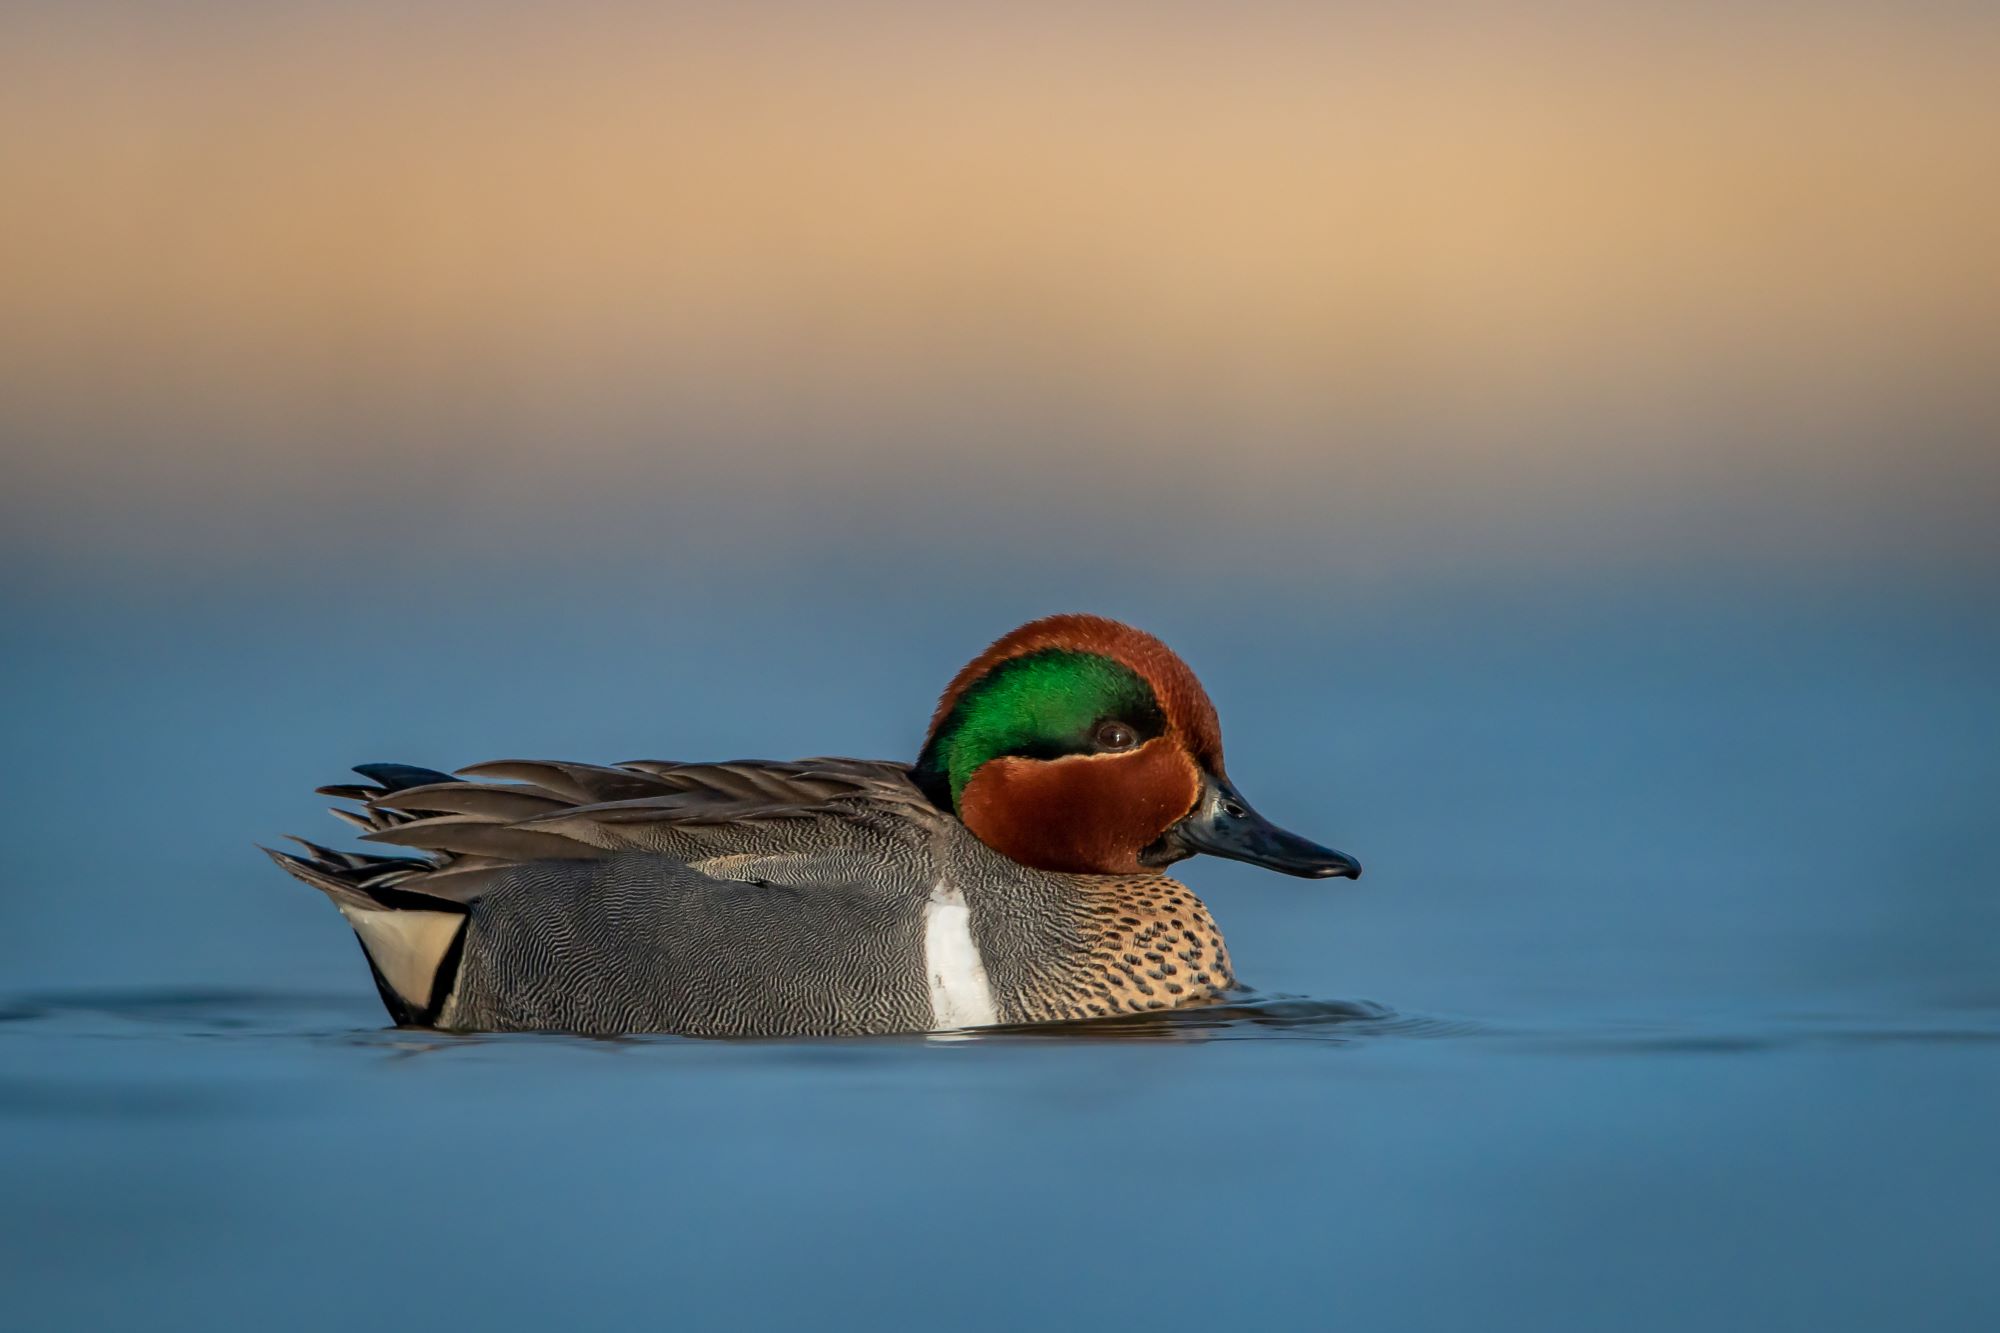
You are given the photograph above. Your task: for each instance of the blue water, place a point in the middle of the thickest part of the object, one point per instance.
(1671, 998)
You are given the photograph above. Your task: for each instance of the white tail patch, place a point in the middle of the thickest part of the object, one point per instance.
(406, 947)
(961, 996)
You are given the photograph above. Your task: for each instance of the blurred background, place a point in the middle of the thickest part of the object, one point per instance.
(1311, 293)
(1565, 438)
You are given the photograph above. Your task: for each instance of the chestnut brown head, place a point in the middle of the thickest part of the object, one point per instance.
(1080, 744)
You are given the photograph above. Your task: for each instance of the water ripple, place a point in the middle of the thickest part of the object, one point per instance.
(223, 1014)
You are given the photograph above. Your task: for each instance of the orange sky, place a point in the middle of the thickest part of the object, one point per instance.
(1466, 259)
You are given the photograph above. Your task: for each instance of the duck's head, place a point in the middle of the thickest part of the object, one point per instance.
(1082, 745)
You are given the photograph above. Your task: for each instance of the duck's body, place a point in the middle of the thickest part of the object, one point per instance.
(817, 897)
(744, 899)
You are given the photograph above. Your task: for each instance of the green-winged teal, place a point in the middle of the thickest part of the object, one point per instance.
(1013, 875)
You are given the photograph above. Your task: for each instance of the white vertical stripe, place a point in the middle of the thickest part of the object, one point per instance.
(961, 997)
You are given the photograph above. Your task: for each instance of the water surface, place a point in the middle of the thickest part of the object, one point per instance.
(1669, 1001)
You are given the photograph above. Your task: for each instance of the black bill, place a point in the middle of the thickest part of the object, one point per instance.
(1223, 824)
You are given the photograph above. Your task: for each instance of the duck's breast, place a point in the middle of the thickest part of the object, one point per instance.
(1055, 947)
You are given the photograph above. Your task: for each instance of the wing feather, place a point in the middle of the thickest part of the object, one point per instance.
(511, 811)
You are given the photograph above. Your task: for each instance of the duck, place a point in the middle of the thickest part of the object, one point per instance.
(1013, 875)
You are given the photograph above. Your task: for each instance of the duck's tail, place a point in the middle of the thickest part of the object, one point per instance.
(412, 939)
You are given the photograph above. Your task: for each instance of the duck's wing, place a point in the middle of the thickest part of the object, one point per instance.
(515, 811)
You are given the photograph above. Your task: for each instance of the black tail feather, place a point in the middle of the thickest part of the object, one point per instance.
(395, 777)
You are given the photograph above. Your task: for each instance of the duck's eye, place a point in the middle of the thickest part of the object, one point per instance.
(1111, 734)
